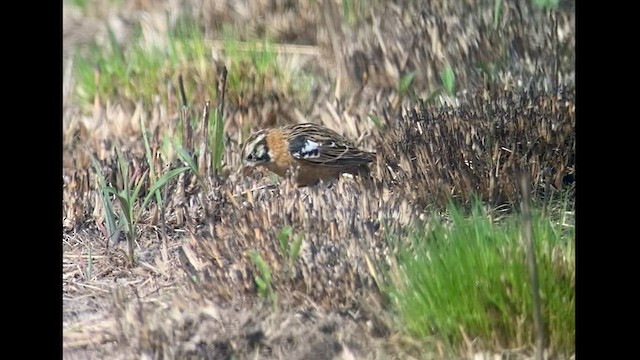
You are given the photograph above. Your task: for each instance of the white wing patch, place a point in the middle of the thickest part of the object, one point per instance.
(310, 149)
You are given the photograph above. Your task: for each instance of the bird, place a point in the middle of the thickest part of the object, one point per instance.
(311, 152)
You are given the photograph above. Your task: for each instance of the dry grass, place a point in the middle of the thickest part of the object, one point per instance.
(481, 147)
(192, 293)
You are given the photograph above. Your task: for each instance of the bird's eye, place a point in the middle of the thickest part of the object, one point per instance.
(250, 157)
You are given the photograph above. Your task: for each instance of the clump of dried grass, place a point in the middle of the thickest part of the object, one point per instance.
(401, 37)
(480, 147)
(203, 329)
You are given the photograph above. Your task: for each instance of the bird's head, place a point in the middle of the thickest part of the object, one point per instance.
(255, 151)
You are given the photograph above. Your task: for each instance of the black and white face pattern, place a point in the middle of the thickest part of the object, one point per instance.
(304, 148)
(256, 151)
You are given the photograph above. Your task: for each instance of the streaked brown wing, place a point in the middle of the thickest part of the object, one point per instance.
(317, 145)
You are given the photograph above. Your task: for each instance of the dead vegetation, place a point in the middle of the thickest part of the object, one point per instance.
(481, 147)
(192, 292)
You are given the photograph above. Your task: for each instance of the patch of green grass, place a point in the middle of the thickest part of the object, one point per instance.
(375, 119)
(263, 278)
(547, 4)
(216, 143)
(354, 11)
(290, 249)
(448, 78)
(93, 7)
(190, 161)
(469, 278)
(129, 196)
(405, 82)
(497, 13)
(82, 4)
(139, 70)
(255, 68)
(112, 226)
(142, 68)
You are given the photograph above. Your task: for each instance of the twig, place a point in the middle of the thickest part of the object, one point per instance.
(204, 144)
(163, 226)
(330, 18)
(222, 87)
(186, 127)
(71, 256)
(180, 200)
(233, 199)
(555, 48)
(93, 287)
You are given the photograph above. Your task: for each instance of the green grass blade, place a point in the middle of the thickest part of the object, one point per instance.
(283, 238)
(376, 121)
(105, 191)
(218, 141)
(161, 182)
(123, 167)
(191, 162)
(295, 248)
(547, 4)
(186, 157)
(123, 199)
(448, 80)
(110, 190)
(262, 266)
(497, 12)
(406, 81)
(115, 45)
(153, 178)
(139, 183)
(262, 286)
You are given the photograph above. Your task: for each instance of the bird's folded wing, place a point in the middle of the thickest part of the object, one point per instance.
(327, 152)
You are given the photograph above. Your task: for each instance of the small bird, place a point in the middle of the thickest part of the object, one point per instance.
(312, 151)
